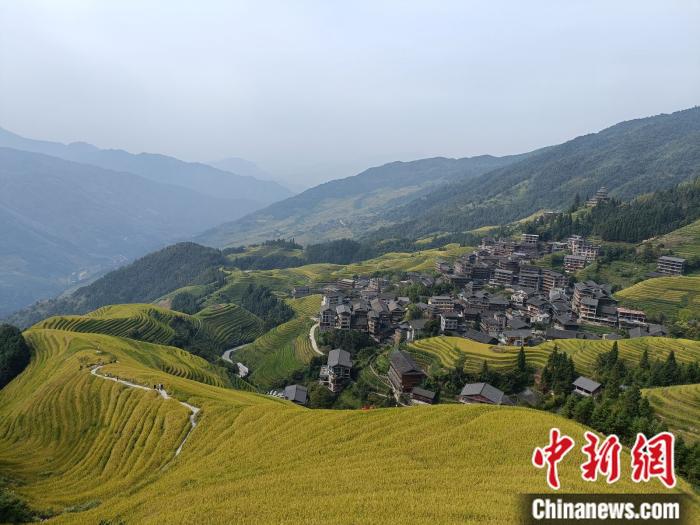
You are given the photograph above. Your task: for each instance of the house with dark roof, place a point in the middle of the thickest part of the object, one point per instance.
(517, 337)
(651, 330)
(296, 394)
(415, 329)
(336, 373)
(404, 373)
(480, 337)
(586, 386)
(483, 393)
(668, 265)
(422, 396)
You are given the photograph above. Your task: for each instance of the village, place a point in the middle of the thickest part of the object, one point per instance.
(495, 295)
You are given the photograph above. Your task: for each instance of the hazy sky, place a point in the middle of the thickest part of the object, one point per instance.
(318, 90)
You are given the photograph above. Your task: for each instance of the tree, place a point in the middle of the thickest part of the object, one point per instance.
(14, 353)
(185, 302)
(320, 396)
(522, 363)
(13, 509)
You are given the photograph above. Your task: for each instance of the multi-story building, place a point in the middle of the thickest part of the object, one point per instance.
(573, 242)
(552, 280)
(529, 239)
(343, 317)
(530, 276)
(502, 277)
(449, 322)
(629, 317)
(326, 318)
(404, 373)
(668, 265)
(600, 196)
(574, 263)
(441, 303)
(594, 302)
(588, 251)
(336, 373)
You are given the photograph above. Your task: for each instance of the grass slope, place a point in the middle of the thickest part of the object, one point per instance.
(94, 450)
(685, 241)
(679, 407)
(445, 350)
(225, 325)
(674, 297)
(284, 349)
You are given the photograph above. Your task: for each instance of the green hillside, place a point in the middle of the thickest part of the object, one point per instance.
(221, 326)
(350, 206)
(84, 449)
(679, 407)
(672, 297)
(630, 158)
(445, 350)
(274, 356)
(685, 242)
(144, 280)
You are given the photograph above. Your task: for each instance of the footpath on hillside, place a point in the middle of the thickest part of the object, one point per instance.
(193, 409)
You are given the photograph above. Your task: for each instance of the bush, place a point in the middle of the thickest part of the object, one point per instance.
(14, 353)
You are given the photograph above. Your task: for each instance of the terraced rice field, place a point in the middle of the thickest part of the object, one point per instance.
(282, 281)
(225, 325)
(679, 407)
(685, 242)
(445, 350)
(136, 321)
(230, 324)
(91, 450)
(674, 297)
(284, 349)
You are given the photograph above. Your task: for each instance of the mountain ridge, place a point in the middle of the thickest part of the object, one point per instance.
(160, 168)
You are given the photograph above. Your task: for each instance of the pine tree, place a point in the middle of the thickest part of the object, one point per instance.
(522, 363)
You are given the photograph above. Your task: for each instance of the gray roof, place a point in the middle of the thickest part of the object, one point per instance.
(403, 363)
(343, 309)
(671, 259)
(417, 324)
(518, 324)
(523, 332)
(296, 393)
(490, 392)
(479, 337)
(587, 384)
(339, 357)
(418, 391)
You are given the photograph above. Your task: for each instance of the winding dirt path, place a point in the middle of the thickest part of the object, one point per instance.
(312, 337)
(193, 409)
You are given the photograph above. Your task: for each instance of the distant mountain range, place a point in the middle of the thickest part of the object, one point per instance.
(424, 197)
(629, 159)
(351, 206)
(71, 212)
(160, 168)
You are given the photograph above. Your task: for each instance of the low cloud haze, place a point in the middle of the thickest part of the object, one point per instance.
(317, 90)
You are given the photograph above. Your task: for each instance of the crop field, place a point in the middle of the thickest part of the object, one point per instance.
(84, 450)
(679, 407)
(445, 350)
(283, 280)
(225, 325)
(674, 297)
(230, 324)
(285, 348)
(685, 241)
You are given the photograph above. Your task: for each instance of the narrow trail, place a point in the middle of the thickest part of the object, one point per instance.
(312, 337)
(226, 356)
(193, 409)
